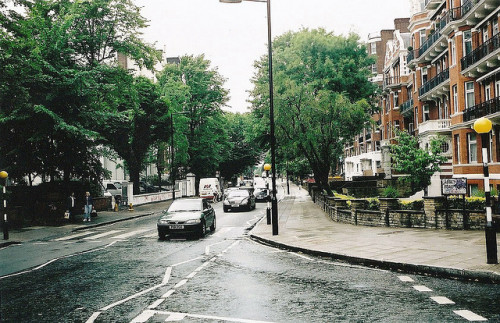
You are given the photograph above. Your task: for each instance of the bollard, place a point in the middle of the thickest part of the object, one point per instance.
(130, 207)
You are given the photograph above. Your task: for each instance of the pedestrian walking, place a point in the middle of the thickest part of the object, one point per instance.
(88, 206)
(70, 206)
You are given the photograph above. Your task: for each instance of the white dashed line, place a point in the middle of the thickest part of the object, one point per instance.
(143, 317)
(421, 288)
(155, 304)
(129, 234)
(167, 294)
(405, 279)
(179, 284)
(470, 316)
(175, 317)
(74, 236)
(441, 300)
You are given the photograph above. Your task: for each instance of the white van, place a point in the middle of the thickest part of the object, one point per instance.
(210, 189)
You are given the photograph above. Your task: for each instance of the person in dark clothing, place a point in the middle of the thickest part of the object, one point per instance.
(70, 206)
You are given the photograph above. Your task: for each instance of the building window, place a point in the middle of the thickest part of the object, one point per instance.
(396, 124)
(487, 92)
(453, 52)
(425, 110)
(424, 75)
(497, 88)
(422, 37)
(457, 149)
(396, 99)
(373, 48)
(467, 42)
(374, 69)
(473, 189)
(416, 117)
(455, 99)
(485, 34)
(469, 95)
(495, 27)
(472, 147)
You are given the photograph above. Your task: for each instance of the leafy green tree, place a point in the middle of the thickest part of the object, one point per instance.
(56, 69)
(195, 89)
(321, 95)
(417, 163)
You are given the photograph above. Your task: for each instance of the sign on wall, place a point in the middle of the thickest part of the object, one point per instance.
(454, 186)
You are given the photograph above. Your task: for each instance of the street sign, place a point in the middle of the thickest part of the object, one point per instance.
(454, 186)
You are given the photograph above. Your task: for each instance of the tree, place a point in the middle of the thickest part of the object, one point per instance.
(321, 92)
(195, 89)
(416, 163)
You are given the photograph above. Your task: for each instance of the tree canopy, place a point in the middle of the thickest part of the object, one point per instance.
(321, 95)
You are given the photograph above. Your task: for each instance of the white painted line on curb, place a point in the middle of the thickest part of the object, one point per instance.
(441, 300)
(470, 316)
(166, 277)
(422, 288)
(405, 279)
(301, 256)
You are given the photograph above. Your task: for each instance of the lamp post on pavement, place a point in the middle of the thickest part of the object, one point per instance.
(274, 200)
(3, 182)
(267, 167)
(483, 127)
(172, 167)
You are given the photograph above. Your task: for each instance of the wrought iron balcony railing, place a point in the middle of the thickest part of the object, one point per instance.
(432, 83)
(393, 80)
(407, 107)
(481, 52)
(482, 109)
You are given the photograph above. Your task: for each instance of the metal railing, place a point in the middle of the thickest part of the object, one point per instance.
(482, 109)
(394, 80)
(481, 52)
(406, 107)
(432, 83)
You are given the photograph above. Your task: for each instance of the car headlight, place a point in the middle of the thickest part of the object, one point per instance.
(193, 221)
(226, 202)
(245, 201)
(163, 221)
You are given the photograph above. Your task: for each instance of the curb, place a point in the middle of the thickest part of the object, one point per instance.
(441, 272)
(111, 222)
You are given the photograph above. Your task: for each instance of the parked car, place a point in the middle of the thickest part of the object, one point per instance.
(238, 199)
(113, 189)
(187, 216)
(262, 194)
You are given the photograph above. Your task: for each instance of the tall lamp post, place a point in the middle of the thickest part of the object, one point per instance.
(483, 127)
(274, 200)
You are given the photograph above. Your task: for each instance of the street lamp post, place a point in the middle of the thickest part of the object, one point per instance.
(483, 127)
(5, 226)
(267, 167)
(274, 200)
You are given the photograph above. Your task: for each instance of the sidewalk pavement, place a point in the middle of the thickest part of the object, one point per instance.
(305, 227)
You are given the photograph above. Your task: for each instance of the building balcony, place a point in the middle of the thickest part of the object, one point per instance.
(483, 59)
(392, 82)
(432, 4)
(435, 87)
(487, 108)
(434, 126)
(406, 109)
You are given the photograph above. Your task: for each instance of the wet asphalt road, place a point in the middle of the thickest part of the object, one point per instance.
(123, 273)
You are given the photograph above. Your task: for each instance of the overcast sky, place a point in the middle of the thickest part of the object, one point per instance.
(233, 36)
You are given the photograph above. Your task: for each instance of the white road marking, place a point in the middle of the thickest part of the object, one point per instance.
(405, 279)
(470, 316)
(100, 235)
(151, 235)
(167, 276)
(422, 288)
(301, 256)
(222, 231)
(74, 236)
(93, 317)
(167, 294)
(191, 275)
(441, 300)
(179, 284)
(184, 262)
(155, 304)
(210, 317)
(175, 317)
(40, 243)
(131, 297)
(143, 317)
(129, 234)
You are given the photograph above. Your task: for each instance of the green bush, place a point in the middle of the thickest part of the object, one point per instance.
(390, 191)
(373, 204)
(471, 203)
(416, 205)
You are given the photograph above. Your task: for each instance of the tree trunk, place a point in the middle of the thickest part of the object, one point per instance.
(135, 178)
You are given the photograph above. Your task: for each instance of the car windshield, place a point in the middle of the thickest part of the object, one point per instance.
(185, 205)
(238, 193)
